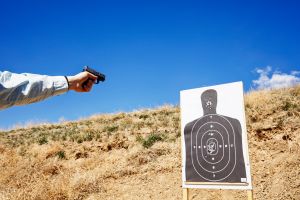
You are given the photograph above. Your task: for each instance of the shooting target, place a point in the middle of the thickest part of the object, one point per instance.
(213, 145)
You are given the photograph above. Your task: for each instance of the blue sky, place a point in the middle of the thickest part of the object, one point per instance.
(149, 50)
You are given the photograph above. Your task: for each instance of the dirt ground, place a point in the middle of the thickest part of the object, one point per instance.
(130, 156)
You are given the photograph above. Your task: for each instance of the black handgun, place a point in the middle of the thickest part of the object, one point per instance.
(100, 77)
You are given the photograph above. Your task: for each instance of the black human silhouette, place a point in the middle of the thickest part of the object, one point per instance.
(213, 142)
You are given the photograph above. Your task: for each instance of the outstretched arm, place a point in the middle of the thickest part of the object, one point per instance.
(20, 89)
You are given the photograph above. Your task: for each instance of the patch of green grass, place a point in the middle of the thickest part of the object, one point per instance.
(150, 140)
(144, 116)
(87, 122)
(42, 140)
(36, 129)
(118, 117)
(149, 124)
(61, 155)
(111, 128)
(288, 105)
(88, 137)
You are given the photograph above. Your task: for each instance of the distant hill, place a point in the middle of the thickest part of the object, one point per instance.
(137, 155)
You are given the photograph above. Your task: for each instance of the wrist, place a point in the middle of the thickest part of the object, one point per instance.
(67, 82)
(71, 82)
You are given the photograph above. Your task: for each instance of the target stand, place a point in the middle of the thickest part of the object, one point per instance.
(214, 146)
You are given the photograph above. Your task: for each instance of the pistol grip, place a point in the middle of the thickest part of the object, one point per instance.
(86, 82)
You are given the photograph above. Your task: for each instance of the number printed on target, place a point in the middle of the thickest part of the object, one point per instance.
(213, 145)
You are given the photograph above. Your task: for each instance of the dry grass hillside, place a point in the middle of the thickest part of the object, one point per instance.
(137, 155)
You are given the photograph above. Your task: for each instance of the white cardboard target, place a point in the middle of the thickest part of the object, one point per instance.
(214, 138)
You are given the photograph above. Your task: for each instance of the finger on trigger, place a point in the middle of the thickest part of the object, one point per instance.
(92, 76)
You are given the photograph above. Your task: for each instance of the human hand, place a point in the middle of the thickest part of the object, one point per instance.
(82, 82)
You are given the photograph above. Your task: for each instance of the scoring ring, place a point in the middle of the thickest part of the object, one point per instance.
(207, 132)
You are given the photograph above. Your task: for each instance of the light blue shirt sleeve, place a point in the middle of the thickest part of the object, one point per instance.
(19, 89)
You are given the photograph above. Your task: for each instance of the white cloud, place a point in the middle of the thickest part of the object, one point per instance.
(295, 73)
(275, 80)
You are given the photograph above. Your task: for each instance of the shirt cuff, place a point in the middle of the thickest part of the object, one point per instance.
(60, 84)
